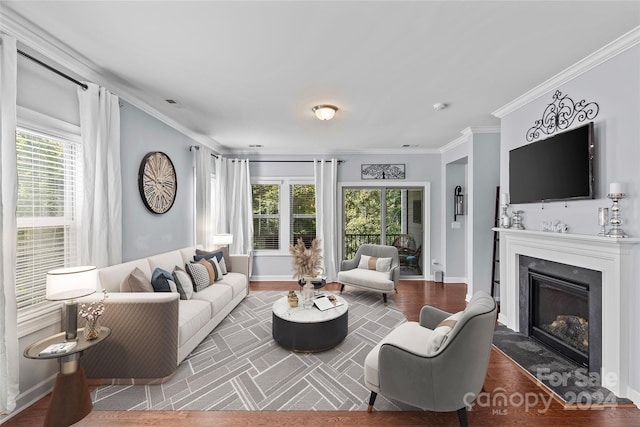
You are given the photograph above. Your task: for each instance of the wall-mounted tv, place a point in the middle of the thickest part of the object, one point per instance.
(557, 168)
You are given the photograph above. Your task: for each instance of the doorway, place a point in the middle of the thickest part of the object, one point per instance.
(389, 216)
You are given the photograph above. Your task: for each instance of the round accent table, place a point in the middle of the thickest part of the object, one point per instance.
(70, 400)
(309, 330)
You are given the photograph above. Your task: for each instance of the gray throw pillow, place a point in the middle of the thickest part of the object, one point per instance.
(199, 275)
(183, 283)
(136, 281)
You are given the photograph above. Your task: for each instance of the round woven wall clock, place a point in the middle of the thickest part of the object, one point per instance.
(157, 182)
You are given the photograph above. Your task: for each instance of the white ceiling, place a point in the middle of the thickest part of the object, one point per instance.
(248, 73)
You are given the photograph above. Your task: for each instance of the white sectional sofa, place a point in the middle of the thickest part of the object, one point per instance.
(153, 332)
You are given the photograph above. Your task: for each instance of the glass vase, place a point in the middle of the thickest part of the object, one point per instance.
(307, 294)
(92, 329)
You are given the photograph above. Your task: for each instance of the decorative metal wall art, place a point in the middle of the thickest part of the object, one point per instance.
(560, 114)
(382, 171)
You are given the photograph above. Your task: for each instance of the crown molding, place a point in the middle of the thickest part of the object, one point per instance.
(602, 55)
(35, 38)
(466, 133)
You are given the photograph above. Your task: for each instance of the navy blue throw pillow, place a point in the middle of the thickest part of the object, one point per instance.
(160, 280)
(208, 255)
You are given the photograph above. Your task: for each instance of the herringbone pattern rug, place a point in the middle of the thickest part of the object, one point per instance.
(239, 366)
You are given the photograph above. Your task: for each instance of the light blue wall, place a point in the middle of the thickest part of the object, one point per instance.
(145, 233)
(420, 168)
(615, 86)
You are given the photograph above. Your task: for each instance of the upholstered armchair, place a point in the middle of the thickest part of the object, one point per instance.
(373, 267)
(437, 364)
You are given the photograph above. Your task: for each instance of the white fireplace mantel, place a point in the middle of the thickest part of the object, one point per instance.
(611, 256)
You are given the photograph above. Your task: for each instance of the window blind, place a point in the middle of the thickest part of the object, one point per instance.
(303, 213)
(49, 185)
(266, 216)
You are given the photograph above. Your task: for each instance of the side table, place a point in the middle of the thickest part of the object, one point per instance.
(70, 399)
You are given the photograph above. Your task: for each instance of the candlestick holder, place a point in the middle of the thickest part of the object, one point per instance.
(505, 220)
(615, 230)
(517, 220)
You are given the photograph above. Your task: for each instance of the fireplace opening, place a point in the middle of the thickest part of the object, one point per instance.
(559, 315)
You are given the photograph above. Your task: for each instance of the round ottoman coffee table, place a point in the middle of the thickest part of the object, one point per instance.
(309, 330)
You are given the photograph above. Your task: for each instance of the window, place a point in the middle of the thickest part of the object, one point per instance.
(266, 216)
(48, 191)
(303, 213)
(275, 231)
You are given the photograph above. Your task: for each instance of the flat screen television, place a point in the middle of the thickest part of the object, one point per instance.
(557, 168)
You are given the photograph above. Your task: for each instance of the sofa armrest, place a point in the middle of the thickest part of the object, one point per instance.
(240, 264)
(431, 316)
(144, 337)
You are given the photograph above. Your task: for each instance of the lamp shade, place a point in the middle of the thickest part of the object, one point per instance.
(222, 239)
(325, 112)
(71, 282)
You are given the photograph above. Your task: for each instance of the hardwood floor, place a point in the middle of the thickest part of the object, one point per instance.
(523, 402)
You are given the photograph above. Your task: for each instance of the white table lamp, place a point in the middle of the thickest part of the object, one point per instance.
(222, 239)
(68, 284)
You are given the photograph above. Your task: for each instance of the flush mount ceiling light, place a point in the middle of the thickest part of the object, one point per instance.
(439, 106)
(325, 112)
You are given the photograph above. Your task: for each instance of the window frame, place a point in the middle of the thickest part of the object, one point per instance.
(284, 206)
(35, 318)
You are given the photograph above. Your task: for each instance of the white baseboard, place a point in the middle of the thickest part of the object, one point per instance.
(31, 396)
(272, 279)
(455, 279)
(634, 395)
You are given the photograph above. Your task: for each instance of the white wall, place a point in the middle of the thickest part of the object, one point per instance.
(615, 86)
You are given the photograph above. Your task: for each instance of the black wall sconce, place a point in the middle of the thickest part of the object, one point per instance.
(458, 202)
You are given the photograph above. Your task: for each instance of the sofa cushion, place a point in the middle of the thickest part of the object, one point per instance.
(236, 281)
(193, 315)
(136, 281)
(160, 280)
(183, 283)
(367, 278)
(199, 275)
(374, 263)
(409, 336)
(218, 295)
(111, 277)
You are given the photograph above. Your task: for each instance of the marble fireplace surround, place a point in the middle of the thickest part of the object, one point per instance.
(610, 256)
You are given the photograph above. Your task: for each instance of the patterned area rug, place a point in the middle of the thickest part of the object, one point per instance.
(239, 366)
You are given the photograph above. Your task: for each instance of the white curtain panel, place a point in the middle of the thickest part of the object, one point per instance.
(326, 181)
(233, 210)
(204, 212)
(100, 241)
(9, 355)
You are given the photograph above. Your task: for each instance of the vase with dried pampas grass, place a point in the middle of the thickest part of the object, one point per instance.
(307, 264)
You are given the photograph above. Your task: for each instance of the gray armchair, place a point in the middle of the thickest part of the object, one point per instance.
(407, 367)
(371, 278)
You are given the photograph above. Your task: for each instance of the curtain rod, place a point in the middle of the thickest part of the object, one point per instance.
(50, 68)
(195, 147)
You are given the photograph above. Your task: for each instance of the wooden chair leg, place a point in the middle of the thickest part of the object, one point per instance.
(462, 417)
(372, 399)
(384, 298)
